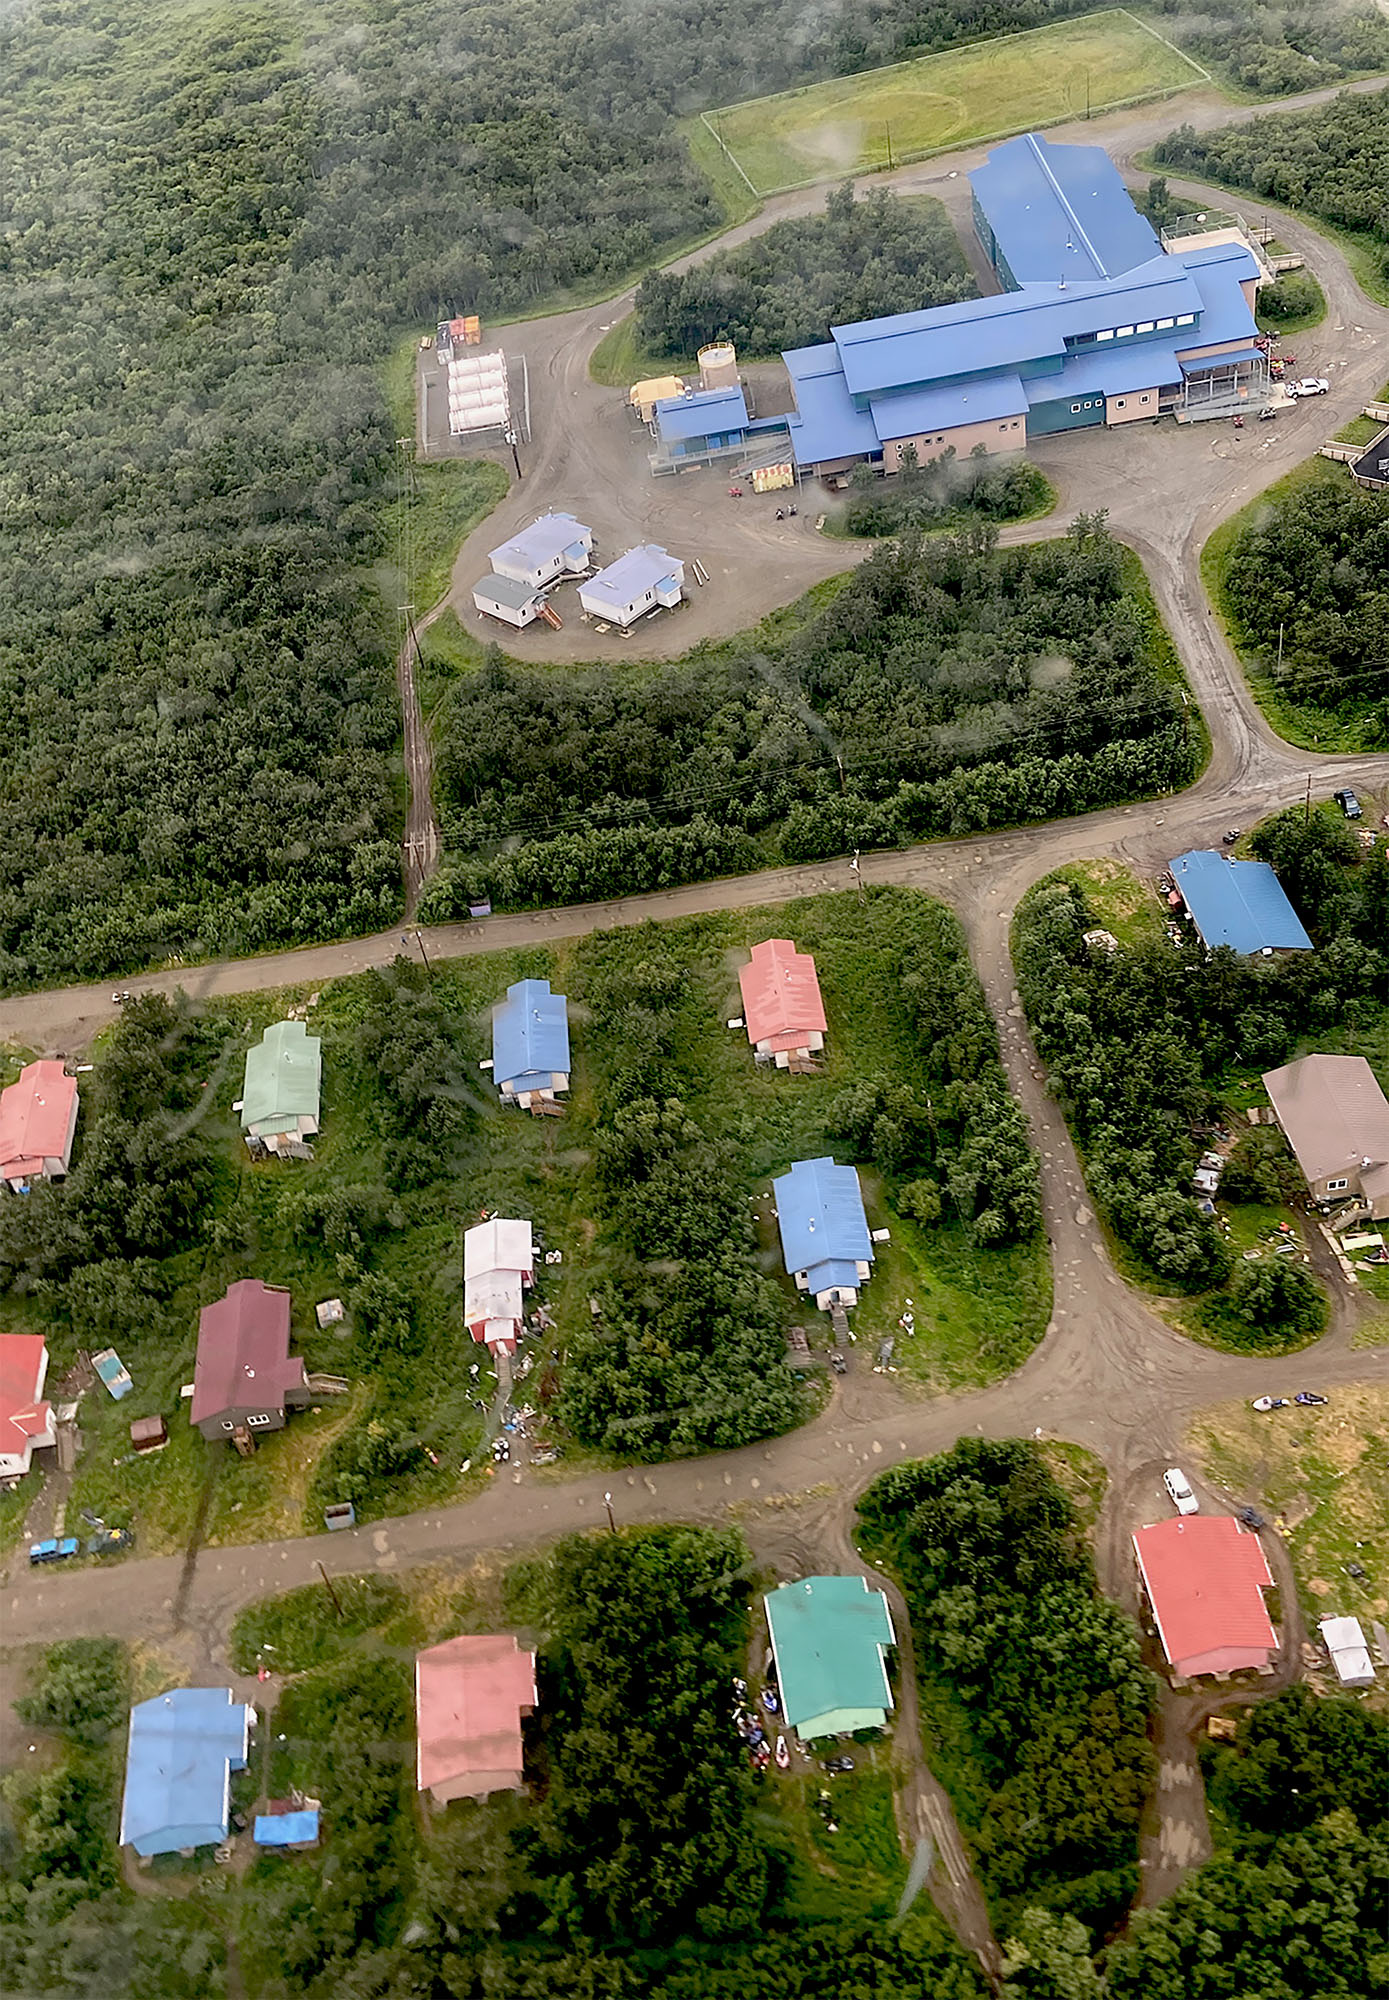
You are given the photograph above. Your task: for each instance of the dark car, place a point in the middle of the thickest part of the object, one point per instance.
(1252, 1518)
(110, 1541)
(839, 1364)
(838, 1764)
(53, 1551)
(1349, 804)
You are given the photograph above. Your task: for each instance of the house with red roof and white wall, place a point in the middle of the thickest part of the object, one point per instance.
(38, 1119)
(26, 1420)
(1204, 1577)
(782, 1008)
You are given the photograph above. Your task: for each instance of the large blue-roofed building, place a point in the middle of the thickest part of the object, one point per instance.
(1241, 904)
(1098, 323)
(183, 1748)
(825, 1243)
(530, 1044)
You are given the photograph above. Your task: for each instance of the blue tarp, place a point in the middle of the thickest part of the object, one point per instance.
(530, 1037)
(824, 1231)
(183, 1748)
(1061, 212)
(293, 1829)
(1238, 903)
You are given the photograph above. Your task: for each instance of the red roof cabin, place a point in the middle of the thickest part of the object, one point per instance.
(245, 1375)
(38, 1117)
(26, 1421)
(470, 1696)
(1205, 1578)
(782, 1008)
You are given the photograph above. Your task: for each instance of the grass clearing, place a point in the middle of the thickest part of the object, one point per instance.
(1323, 1475)
(982, 91)
(619, 359)
(1081, 1477)
(1121, 904)
(1298, 723)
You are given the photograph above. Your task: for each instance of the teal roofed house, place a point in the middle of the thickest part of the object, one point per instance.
(829, 1637)
(280, 1099)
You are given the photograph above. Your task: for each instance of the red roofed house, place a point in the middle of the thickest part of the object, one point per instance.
(782, 1007)
(25, 1419)
(470, 1696)
(38, 1116)
(1205, 1578)
(245, 1375)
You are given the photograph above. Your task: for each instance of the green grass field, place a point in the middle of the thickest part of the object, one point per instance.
(857, 124)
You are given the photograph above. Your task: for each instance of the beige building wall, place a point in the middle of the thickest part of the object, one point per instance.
(1132, 406)
(476, 1785)
(1003, 434)
(1199, 354)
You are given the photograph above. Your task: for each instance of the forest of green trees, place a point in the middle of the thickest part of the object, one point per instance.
(1328, 161)
(948, 686)
(786, 288)
(1305, 583)
(1141, 1041)
(1031, 1675)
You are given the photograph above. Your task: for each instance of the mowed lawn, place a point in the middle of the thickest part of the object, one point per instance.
(850, 124)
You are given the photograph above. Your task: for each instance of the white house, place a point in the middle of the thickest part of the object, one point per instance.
(636, 583)
(503, 597)
(498, 1263)
(555, 545)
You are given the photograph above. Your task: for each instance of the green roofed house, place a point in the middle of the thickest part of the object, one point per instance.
(279, 1104)
(829, 1636)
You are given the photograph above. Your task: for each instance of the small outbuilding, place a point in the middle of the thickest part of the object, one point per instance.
(1241, 904)
(530, 1045)
(1205, 1577)
(503, 597)
(26, 1419)
(782, 1008)
(693, 427)
(554, 545)
(1336, 1119)
(182, 1750)
(38, 1121)
(471, 1694)
(830, 1636)
(646, 579)
(1350, 1656)
(644, 396)
(245, 1377)
(281, 1096)
(148, 1434)
(824, 1232)
(498, 1265)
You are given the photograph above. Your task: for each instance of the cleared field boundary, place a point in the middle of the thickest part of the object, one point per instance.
(908, 156)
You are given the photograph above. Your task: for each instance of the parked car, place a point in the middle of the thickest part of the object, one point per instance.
(838, 1764)
(53, 1551)
(1310, 385)
(1252, 1518)
(1179, 1492)
(1349, 804)
(109, 1541)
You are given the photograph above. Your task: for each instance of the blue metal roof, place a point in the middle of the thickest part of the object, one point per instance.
(183, 1747)
(923, 410)
(627, 579)
(822, 1223)
(1225, 311)
(541, 542)
(530, 1036)
(1108, 371)
(1238, 903)
(710, 411)
(286, 1829)
(829, 424)
(978, 336)
(1061, 212)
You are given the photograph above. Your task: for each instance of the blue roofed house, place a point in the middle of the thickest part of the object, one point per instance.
(183, 1748)
(530, 1045)
(825, 1244)
(1098, 323)
(700, 425)
(643, 580)
(1241, 904)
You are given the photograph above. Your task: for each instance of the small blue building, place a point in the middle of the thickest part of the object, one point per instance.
(183, 1748)
(530, 1044)
(692, 427)
(1241, 904)
(825, 1244)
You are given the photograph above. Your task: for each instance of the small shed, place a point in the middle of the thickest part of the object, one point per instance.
(1350, 1656)
(148, 1434)
(695, 426)
(503, 597)
(644, 396)
(647, 578)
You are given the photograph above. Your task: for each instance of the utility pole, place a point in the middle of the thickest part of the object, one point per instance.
(1307, 811)
(329, 1588)
(1087, 96)
(418, 936)
(889, 148)
(516, 456)
(608, 1503)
